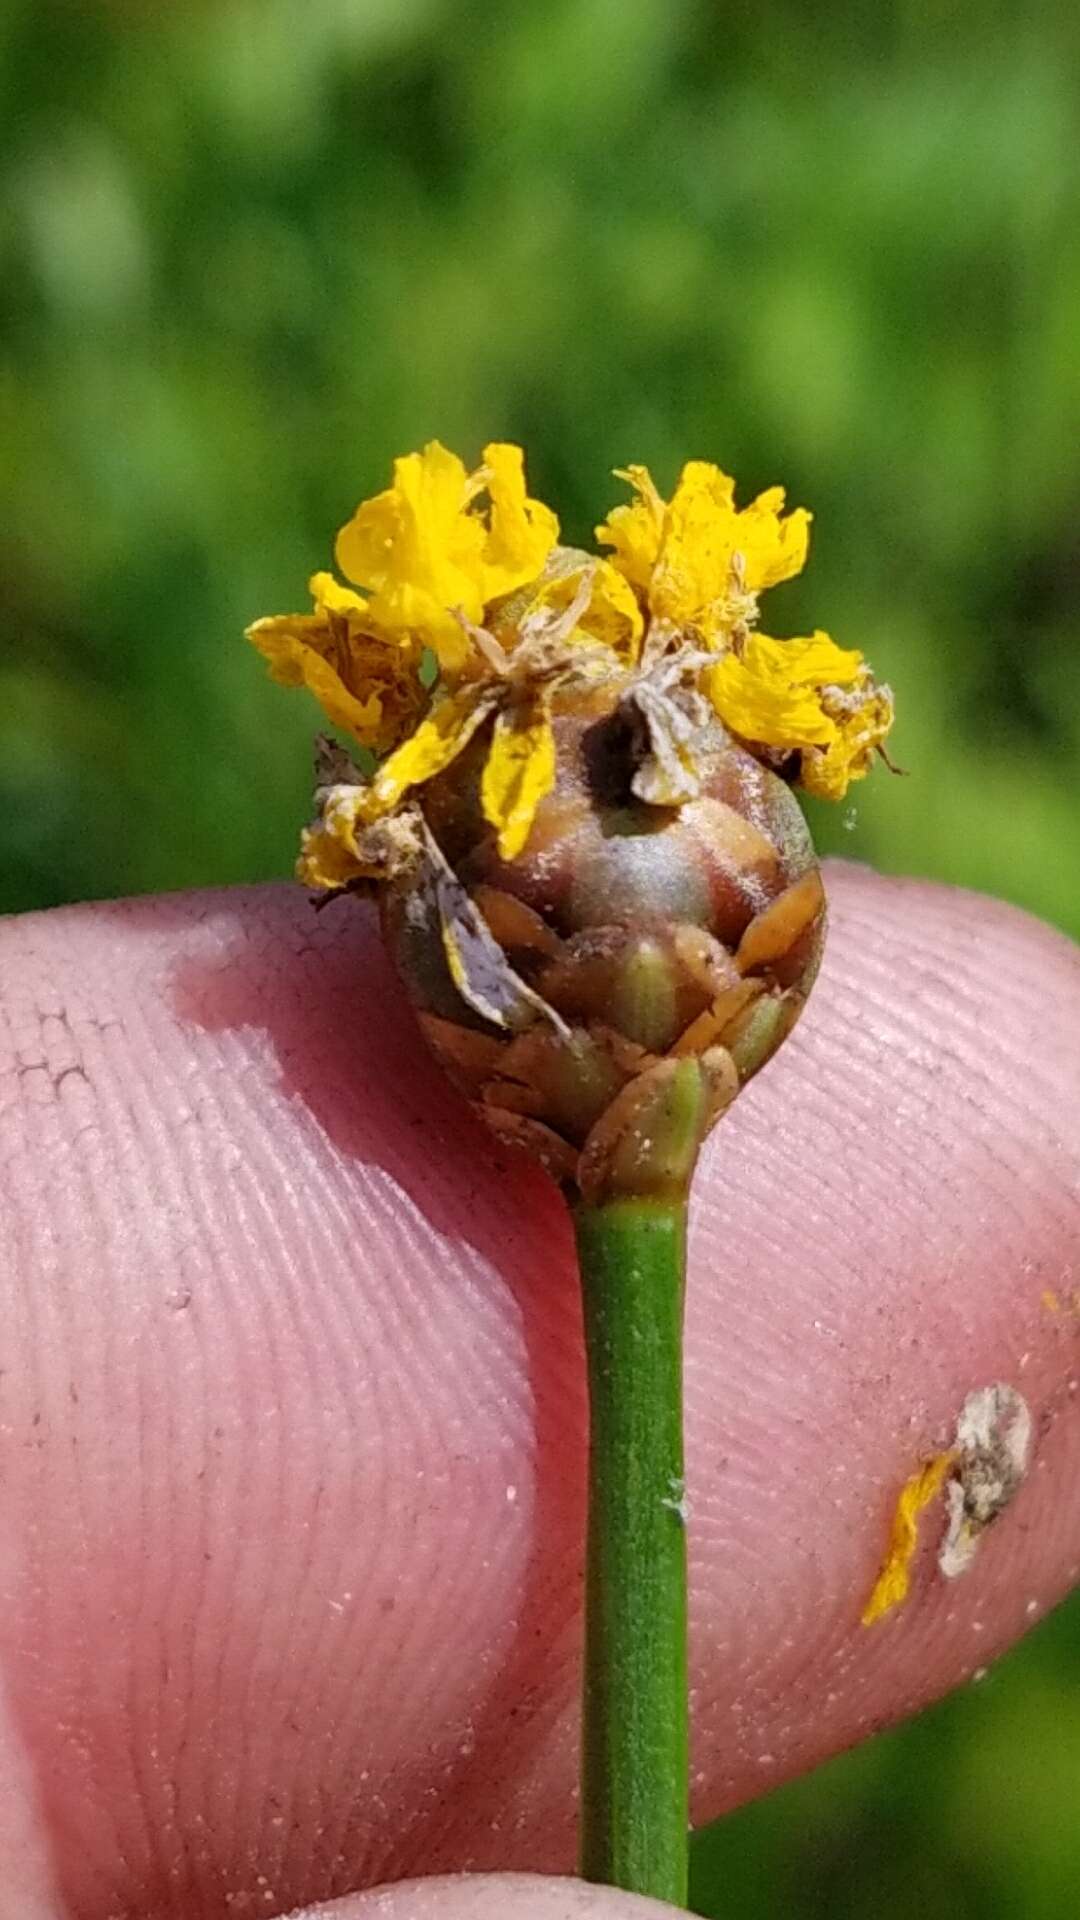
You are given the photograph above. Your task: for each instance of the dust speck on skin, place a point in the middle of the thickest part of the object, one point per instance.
(992, 1451)
(676, 1500)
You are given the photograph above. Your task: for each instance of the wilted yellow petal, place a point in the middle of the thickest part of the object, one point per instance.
(692, 577)
(331, 597)
(634, 531)
(324, 863)
(682, 554)
(673, 769)
(612, 617)
(428, 548)
(893, 1581)
(770, 692)
(302, 651)
(862, 716)
(329, 856)
(520, 770)
(343, 845)
(521, 532)
(437, 741)
(417, 549)
(773, 548)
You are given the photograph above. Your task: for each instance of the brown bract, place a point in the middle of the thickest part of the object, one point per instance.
(602, 997)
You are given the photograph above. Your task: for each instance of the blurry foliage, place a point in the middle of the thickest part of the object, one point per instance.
(251, 251)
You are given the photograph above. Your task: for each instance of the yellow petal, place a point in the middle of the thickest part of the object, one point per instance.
(683, 554)
(428, 548)
(612, 617)
(894, 1580)
(811, 661)
(418, 550)
(437, 741)
(342, 845)
(331, 597)
(770, 692)
(634, 531)
(324, 863)
(296, 647)
(520, 770)
(415, 533)
(773, 548)
(692, 576)
(521, 532)
(329, 856)
(862, 717)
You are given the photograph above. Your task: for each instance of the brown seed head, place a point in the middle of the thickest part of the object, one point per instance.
(602, 997)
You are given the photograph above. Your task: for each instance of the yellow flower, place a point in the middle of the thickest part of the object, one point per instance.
(697, 557)
(467, 565)
(424, 550)
(365, 681)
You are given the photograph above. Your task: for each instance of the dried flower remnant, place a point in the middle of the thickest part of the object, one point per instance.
(992, 1451)
(980, 1473)
(593, 877)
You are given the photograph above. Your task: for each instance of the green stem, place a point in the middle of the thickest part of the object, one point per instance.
(634, 1814)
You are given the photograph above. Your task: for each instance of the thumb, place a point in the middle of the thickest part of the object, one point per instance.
(490, 1896)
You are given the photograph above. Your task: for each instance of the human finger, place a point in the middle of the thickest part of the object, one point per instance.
(295, 1419)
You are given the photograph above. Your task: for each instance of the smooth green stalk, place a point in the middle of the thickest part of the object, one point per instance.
(634, 1813)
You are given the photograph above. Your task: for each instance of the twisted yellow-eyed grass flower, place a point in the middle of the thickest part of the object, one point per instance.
(574, 804)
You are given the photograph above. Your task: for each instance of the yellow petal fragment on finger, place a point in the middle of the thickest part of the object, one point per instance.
(520, 770)
(771, 690)
(894, 1580)
(437, 741)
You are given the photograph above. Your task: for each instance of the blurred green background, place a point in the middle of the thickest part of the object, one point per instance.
(250, 252)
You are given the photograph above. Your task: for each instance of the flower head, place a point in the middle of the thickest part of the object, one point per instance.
(596, 886)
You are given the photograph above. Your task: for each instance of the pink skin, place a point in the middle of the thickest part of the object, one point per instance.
(292, 1414)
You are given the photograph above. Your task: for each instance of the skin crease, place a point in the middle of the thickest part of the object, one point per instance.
(292, 1416)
